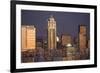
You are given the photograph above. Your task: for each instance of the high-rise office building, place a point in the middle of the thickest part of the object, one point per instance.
(82, 37)
(82, 41)
(28, 37)
(66, 39)
(52, 33)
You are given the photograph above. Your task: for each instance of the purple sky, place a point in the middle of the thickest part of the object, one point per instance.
(67, 22)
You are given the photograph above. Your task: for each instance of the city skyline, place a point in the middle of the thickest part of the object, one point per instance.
(73, 39)
(67, 22)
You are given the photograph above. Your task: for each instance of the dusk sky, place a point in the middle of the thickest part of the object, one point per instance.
(66, 22)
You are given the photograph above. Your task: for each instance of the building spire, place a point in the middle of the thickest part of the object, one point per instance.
(51, 18)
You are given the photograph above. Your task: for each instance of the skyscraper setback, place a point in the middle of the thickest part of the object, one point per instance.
(52, 43)
(28, 37)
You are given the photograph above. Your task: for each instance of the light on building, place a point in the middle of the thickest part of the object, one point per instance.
(69, 45)
(57, 39)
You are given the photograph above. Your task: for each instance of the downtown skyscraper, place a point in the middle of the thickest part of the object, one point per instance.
(28, 37)
(52, 43)
(82, 39)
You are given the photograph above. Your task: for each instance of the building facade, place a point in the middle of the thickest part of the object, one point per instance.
(82, 41)
(28, 37)
(82, 37)
(52, 43)
(66, 39)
